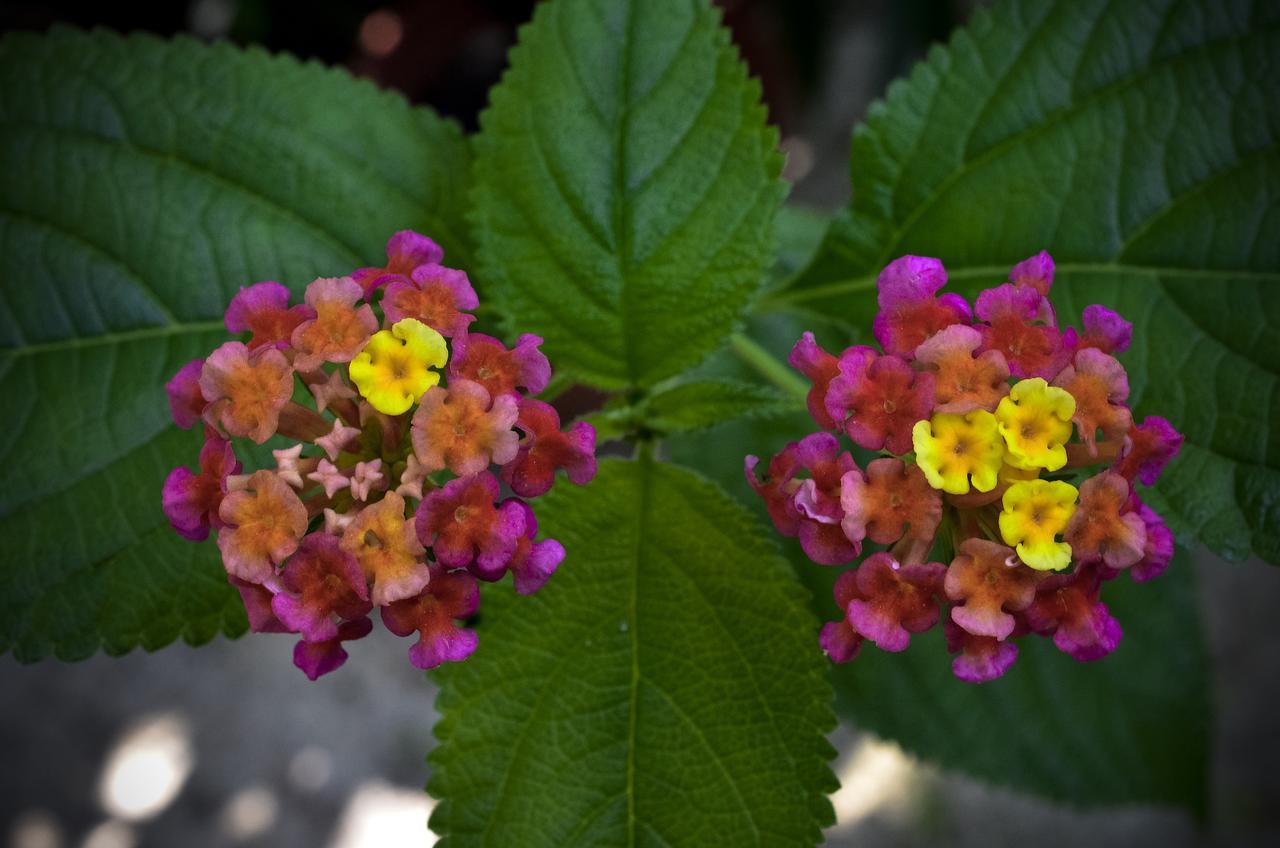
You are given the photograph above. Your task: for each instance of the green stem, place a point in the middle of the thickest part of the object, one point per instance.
(646, 450)
(992, 531)
(768, 366)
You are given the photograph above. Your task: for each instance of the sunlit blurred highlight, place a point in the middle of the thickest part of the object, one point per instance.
(381, 33)
(211, 18)
(311, 768)
(110, 834)
(35, 829)
(250, 813)
(378, 815)
(147, 768)
(800, 158)
(877, 777)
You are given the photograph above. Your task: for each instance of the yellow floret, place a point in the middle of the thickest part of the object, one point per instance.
(1034, 513)
(1035, 421)
(394, 368)
(950, 449)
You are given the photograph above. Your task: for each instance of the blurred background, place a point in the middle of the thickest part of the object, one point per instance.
(229, 745)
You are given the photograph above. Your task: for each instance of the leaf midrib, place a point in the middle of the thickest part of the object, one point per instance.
(642, 515)
(116, 337)
(637, 560)
(620, 249)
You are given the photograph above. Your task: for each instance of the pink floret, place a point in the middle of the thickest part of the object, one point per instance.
(449, 596)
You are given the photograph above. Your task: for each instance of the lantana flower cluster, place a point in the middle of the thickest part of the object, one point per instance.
(409, 449)
(1005, 496)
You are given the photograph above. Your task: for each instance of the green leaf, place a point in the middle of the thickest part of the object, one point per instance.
(700, 404)
(626, 185)
(141, 184)
(664, 688)
(1207, 359)
(1130, 728)
(691, 405)
(1137, 142)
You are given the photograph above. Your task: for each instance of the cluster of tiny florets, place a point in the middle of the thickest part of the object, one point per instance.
(1008, 452)
(391, 418)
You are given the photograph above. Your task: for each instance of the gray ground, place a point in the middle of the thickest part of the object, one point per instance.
(278, 761)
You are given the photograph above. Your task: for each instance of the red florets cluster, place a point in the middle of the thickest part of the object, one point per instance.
(998, 432)
(372, 503)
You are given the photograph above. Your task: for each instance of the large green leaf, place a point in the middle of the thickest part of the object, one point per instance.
(1133, 727)
(626, 185)
(141, 184)
(1138, 143)
(663, 689)
(1206, 358)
